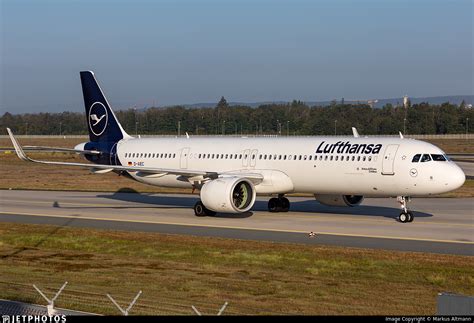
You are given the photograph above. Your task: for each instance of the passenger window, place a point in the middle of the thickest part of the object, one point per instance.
(363, 159)
(240, 156)
(331, 157)
(310, 157)
(269, 157)
(279, 157)
(358, 158)
(305, 157)
(284, 157)
(438, 157)
(320, 157)
(260, 157)
(337, 157)
(370, 158)
(425, 158)
(353, 158)
(326, 157)
(253, 156)
(416, 158)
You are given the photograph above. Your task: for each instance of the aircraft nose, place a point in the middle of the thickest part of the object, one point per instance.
(457, 177)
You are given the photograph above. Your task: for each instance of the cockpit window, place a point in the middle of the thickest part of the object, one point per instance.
(425, 158)
(416, 158)
(438, 157)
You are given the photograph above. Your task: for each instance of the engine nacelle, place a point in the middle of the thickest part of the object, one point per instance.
(228, 195)
(339, 200)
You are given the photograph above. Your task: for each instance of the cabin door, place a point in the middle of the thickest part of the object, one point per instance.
(389, 159)
(245, 158)
(183, 161)
(253, 158)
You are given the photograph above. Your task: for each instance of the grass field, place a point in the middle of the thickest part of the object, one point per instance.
(175, 272)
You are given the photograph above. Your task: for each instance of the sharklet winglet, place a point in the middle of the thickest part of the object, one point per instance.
(18, 149)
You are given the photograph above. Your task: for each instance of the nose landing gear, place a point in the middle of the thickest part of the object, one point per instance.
(405, 216)
(280, 204)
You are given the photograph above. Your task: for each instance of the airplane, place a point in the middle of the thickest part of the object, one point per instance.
(229, 172)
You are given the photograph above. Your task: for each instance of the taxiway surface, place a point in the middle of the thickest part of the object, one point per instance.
(441, 225)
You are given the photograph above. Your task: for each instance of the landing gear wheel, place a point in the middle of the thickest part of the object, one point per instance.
(274, 205)
(402, 217)
(285, 204)
(280, 204)
(405, 216)
(201, 210)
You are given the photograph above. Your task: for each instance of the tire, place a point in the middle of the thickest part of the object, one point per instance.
(285, 204)
(274, 205)
(199, 209)
(403, 217)
(410, 217)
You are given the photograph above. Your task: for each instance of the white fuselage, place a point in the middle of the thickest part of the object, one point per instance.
(372, 166)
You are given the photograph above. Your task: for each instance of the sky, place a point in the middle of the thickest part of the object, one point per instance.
(160, 53)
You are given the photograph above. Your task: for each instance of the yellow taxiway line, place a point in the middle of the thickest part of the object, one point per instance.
(235, 227)
(141, 206)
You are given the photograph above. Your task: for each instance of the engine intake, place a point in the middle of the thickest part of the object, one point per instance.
(339, 200)
(228, 195)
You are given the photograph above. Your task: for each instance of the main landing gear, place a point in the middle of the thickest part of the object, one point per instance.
(201, 210)
(405, 216)
(280, 204)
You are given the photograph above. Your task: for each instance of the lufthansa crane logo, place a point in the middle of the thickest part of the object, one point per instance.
(98, 118)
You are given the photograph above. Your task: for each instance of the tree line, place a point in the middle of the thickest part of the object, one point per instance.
(295, 118)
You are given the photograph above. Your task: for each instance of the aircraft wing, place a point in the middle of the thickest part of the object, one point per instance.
(141, 171)
(60, 149)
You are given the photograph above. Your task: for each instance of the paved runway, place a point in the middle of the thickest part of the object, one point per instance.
(442, 225)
